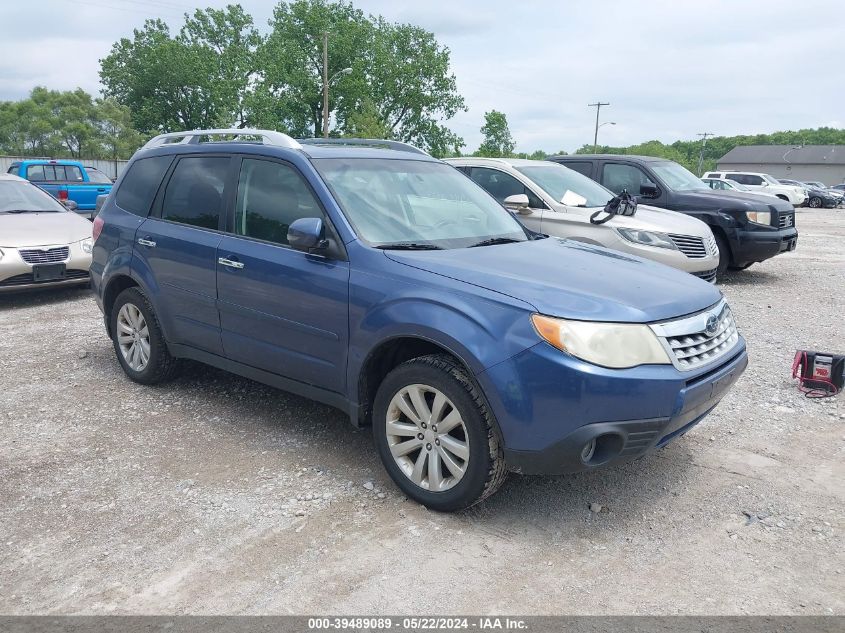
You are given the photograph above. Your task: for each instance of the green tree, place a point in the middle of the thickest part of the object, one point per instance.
(198, 79)
(497, 136)
(66, 124)
(400, 86)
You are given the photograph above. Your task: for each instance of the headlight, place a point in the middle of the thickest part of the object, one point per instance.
(87, 245)
(616, 345)
(648, 238)
(760, 217)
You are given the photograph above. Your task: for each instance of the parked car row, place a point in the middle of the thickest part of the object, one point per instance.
(819, 196)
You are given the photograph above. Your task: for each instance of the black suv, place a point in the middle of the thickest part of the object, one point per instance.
(747, 228)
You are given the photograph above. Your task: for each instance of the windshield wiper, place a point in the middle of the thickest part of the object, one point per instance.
(409, 246)
(495, 240)
(26, 211)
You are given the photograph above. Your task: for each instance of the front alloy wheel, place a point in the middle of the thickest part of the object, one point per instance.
(436, 435)
(815, 203)
(427, 437)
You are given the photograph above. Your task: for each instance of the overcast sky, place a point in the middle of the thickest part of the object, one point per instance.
(669, 68)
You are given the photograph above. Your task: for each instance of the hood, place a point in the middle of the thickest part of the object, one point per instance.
(18, 230)
(660, 220)
(572, 280)
(711, 199)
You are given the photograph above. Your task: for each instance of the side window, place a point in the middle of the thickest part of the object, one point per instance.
(73, 173)
(194, 193)
(271, 196)
(617, 177)
(753, 180)
(140, 184)
(581, 166)
(35, 173)
(501, 185)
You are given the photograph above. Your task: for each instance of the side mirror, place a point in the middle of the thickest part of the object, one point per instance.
(764, 184)
(518, 201)
(649, 191)
(306, 234)
(70, 205)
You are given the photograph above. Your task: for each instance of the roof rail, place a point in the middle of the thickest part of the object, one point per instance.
(365, 142)
(192, 137)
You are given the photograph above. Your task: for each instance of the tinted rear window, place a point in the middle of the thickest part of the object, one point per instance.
(139, 186)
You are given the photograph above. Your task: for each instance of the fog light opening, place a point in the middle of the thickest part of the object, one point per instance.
(602, 449)
(588, 451)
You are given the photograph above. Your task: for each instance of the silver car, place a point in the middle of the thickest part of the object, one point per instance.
(556, 200)
(42, 244)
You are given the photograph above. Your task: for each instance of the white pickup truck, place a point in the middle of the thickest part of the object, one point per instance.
(764, 183)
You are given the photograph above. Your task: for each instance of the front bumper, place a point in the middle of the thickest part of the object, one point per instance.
(16, 274)
(550, 405)
(758, 246)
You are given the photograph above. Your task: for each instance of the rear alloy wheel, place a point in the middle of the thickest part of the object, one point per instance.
(815, 202)
(435, 434)
(138, 339)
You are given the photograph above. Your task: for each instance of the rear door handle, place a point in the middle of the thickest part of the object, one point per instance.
(230, 263)
(145, 242)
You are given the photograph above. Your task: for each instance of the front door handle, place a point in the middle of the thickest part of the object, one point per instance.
(146, 242)
(230, 263)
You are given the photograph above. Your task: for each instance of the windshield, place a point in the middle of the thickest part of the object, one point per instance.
(676, 177)
(556, 180)
(22, 197)
(411, 203)
(770, 180)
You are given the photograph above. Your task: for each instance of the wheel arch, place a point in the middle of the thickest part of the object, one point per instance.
(114, 287)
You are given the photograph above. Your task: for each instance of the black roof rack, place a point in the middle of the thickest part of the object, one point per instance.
(364, 142)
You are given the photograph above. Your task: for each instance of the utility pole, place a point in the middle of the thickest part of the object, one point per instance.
(325, 84)
(597, 106)
(703, 136)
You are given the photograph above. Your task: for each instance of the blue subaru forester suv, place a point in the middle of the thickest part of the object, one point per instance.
(374, 278)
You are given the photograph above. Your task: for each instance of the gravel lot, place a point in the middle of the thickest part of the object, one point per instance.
(214, 494)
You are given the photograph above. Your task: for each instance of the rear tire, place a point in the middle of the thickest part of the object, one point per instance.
(445, 469)
(724, 255)
(138, 340)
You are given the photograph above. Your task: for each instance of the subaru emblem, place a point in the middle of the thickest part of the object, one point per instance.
(712, 325)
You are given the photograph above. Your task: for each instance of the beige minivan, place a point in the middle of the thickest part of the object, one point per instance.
(556, 200)
(42, 244)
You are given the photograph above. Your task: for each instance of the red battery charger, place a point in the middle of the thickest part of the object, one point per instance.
(819, 374)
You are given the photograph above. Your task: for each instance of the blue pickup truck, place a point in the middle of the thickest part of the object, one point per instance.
(66, 180)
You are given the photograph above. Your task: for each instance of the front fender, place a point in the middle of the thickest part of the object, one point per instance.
(479, 331)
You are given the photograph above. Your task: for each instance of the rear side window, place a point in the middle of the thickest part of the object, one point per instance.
(35, 173)
(582, 167)
(139, 185)
(194, 194)
(271, 196)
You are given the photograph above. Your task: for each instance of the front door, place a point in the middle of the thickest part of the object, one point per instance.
(178, 246)
(281, 310)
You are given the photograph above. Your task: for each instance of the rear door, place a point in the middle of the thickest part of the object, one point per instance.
(281, 310)
(177, 246)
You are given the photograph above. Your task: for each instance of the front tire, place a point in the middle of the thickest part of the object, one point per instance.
(815, 203)
(724, 255)
(436, 436)
(138, 340)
